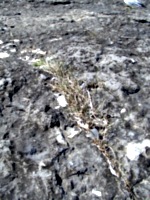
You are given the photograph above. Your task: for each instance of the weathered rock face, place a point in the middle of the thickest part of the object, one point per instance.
(40, 158)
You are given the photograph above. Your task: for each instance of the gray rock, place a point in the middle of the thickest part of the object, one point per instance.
(107, 49)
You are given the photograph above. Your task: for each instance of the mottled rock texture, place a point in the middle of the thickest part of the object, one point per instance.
(107, 46)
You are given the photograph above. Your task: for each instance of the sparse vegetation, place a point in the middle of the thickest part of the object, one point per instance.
(65, 83)
(39, 62)
(79, 98)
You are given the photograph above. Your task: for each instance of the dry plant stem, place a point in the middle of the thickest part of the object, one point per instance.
(79, 100)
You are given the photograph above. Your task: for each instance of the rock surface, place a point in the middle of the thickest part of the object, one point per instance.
(44, 154)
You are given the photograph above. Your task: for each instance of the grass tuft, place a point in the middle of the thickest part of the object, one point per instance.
(39, 63)
(78, 97)
(65, 83)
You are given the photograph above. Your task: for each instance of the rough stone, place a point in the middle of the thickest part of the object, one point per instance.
(103, 42)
